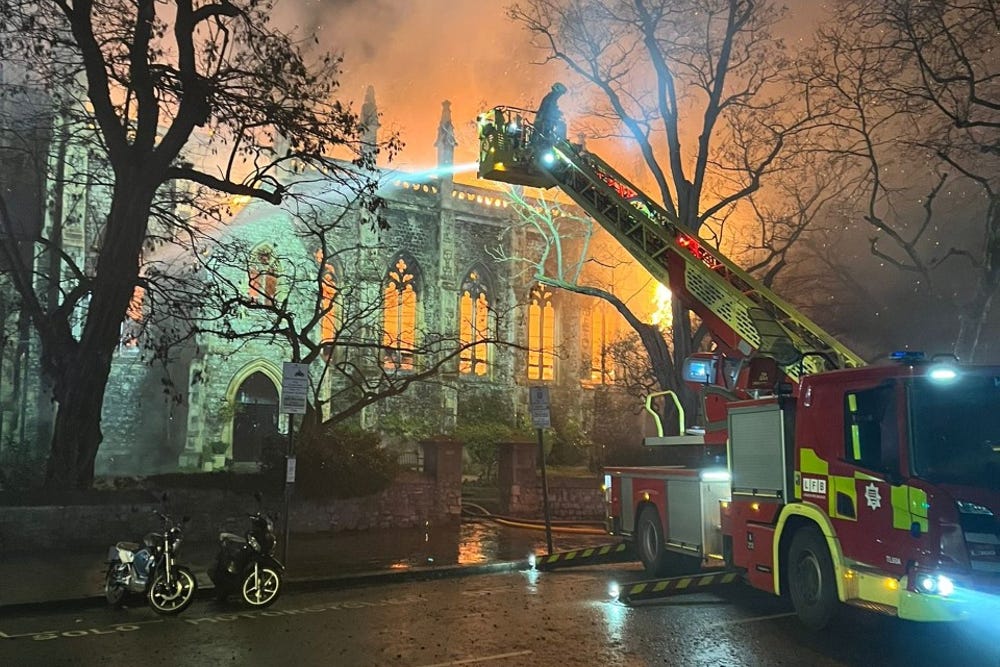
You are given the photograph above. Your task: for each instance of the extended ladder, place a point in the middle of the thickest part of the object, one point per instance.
(744, 315)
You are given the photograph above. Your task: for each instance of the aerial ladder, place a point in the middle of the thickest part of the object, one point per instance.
(745, 317)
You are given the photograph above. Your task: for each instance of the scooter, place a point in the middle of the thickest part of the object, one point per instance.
(248, 564)
(151, 568)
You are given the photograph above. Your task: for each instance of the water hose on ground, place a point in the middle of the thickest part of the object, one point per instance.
(572, 527)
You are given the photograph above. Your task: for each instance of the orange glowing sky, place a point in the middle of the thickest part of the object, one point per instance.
(417, 53)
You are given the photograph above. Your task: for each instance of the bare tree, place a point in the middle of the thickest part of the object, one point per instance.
(561, 247)
(702, 88)
(146, 79)
(916, 86)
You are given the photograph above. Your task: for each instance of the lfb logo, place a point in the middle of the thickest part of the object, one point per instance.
(815, 485)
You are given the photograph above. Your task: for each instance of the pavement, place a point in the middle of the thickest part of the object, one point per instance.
(37, 581)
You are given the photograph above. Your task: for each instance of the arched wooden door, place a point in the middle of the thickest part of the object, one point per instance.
(256, 417)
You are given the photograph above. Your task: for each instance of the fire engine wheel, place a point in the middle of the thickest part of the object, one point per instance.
(811, 581)
(658, 561)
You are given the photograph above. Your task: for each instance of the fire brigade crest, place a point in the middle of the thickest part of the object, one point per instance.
(873, 497)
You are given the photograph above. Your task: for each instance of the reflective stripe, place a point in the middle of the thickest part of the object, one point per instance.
(852, 405)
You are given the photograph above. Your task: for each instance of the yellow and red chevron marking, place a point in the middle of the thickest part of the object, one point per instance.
(604, 554)
(645, 590)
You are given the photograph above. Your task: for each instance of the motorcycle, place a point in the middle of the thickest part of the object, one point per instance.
(151, 568)
(248, 563)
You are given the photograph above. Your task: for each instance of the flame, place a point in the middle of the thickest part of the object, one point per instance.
(662, 315)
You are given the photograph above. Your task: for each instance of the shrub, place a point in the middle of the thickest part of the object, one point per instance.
(21, 468)
(481, 441)
(482, 425)
(570, 444)
(342, 462)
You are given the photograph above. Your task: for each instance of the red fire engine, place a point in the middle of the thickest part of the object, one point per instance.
(810, 473)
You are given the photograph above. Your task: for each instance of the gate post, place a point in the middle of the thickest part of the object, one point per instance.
(517, 477)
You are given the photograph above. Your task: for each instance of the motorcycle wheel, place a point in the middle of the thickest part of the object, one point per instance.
(167, 598)
(114, 590)
(261, 591)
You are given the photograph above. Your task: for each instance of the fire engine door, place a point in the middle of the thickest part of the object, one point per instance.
(861, 481)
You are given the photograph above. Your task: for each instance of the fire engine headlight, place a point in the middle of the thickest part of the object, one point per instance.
(549, 158)
(942, 373)
(715, 476)
(531, 561)
(935, 584)
(614, 589)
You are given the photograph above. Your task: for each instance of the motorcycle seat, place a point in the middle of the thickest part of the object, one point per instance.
(128, 546)
(232, 537)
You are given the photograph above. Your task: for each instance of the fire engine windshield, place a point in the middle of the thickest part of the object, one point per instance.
(955, 430)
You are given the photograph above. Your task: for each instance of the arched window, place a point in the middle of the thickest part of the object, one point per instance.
(475, 324)
(131, 326)
(602, 331)
(327, 299)
(400, 321)
(263, 272)
(541, 334)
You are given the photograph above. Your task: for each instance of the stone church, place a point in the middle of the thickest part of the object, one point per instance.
(436, 272)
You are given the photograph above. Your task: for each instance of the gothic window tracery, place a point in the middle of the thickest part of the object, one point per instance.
(602, 332)
(541, 334)
(399, 331)
(263, 273)
(327, 299)
(475, 324)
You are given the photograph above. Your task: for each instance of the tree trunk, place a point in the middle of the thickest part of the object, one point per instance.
(682, 350)
(83, 376)
(77, 433)
(971, 322)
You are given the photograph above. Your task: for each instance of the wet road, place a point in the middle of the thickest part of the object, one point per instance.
(519, 618)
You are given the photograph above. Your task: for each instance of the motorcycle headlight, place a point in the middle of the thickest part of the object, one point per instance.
(253, 542)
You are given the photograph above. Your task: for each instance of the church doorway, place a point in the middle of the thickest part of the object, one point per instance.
(256, 417)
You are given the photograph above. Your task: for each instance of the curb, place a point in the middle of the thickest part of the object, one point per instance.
(293, 584)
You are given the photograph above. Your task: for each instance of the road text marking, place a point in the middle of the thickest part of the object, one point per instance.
(485, 658)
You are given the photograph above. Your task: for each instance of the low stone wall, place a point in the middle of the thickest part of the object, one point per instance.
(412, 500)
(570, 499)
(520, 485)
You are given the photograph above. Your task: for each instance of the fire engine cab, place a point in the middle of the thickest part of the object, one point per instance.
(809, 473)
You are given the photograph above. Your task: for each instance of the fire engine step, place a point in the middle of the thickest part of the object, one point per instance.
(609, 553)
(660, 588)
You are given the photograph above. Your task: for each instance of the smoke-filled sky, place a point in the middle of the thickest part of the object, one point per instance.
(417, 53)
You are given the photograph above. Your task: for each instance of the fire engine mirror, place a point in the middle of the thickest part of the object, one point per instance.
(699, 370)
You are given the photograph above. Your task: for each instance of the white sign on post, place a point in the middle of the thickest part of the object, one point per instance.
(294, 388)
(538, 403)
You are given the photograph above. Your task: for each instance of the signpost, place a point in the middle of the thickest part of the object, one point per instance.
(294, 394)
(538, 403)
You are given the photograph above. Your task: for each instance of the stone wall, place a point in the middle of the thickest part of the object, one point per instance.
(570, 498)
(414, 499)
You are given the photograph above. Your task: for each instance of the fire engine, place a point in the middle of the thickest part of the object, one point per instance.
(810, 472)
